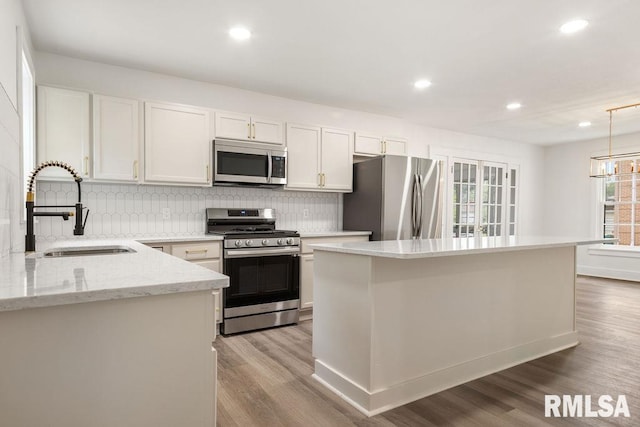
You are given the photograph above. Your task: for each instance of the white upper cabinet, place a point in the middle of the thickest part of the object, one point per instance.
(397, 146)
(177, 145)
(116, 138)
(63, 130)
(336, 160)
(303, 156)
(374, 145)
(319, 159)
(233, 125)
(367, 144)
(248, 128)
(266, 130)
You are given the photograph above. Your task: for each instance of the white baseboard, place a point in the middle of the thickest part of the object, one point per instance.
(609, 273)
(372, 403)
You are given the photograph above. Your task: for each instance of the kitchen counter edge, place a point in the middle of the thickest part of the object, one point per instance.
(428, 248)
(105, 277)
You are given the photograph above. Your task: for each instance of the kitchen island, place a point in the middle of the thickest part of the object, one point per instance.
(395, 321)
(103, 340)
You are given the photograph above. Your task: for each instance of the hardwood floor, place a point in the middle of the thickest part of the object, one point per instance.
(264, 378)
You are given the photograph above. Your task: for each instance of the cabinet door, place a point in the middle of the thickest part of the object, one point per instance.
(303, 147)
(233, 126)
(367, 144)
(63, 130)
(396, 146)
(306, 281)
(265, 130)
(116, 137)
(177, 146)
(336, 161)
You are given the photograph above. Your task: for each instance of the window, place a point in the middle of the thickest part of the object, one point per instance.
(621, 207)
(27, 115)
(483, 198)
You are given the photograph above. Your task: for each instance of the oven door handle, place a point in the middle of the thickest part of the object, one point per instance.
(246, 253)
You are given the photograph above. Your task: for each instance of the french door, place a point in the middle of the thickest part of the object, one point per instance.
(478, 193)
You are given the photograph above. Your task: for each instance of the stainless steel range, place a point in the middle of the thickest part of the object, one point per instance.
(263, 266)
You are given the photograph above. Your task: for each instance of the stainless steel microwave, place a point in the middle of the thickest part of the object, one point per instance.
(252, 163)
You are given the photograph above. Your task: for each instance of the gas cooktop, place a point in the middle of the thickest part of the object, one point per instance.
(245, 224)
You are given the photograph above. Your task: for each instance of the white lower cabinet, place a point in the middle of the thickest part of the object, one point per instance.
(207, 254)
(306, 281)
(306, 264)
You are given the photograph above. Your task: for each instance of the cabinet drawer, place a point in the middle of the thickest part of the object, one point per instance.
(305, 242)
(211, 264)
(193, 251)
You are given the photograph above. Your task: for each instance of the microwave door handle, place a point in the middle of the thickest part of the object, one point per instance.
(269, 167)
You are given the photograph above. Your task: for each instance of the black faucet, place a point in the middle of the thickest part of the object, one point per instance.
(30, 238)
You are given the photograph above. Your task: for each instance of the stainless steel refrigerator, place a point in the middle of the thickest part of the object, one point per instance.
(396, 197)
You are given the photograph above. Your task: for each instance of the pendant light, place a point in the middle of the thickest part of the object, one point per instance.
(612, 165)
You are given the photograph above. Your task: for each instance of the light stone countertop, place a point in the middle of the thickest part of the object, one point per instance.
(334, 234)
(412, 249)
(35, 281)
(205, 237)
(177, 239)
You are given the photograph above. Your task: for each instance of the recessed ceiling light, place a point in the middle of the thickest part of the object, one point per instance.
(239, 33)
(422, 84)
(584, 124)
(514, 106)
(574, 26)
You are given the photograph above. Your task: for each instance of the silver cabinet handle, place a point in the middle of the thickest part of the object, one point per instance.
(253, 125)
(249, 130)
(135, 169)
(86, 165)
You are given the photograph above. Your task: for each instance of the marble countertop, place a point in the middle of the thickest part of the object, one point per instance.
(35, 281)
(412, 249)
(334, 234)
(177, 239)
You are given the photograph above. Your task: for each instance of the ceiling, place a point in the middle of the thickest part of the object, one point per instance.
(365, 55)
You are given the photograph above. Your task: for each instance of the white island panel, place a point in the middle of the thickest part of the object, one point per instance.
(391, 330)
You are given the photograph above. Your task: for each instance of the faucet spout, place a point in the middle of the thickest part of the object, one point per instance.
(30, 239)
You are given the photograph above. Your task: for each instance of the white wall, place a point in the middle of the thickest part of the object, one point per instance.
(11, 237)
(571, 202)
(119, 81)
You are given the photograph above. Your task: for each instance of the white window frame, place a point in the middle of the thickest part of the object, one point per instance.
(24, 58)
(448, 157)
(634, 207)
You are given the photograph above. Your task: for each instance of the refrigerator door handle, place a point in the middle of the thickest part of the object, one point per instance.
(414, 206)
(420, 206)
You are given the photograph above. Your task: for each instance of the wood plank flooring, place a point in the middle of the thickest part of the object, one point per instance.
(264, 378)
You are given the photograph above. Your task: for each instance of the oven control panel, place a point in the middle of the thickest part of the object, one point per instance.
(262, 242)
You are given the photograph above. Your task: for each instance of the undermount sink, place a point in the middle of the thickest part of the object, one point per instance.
(86, 251)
